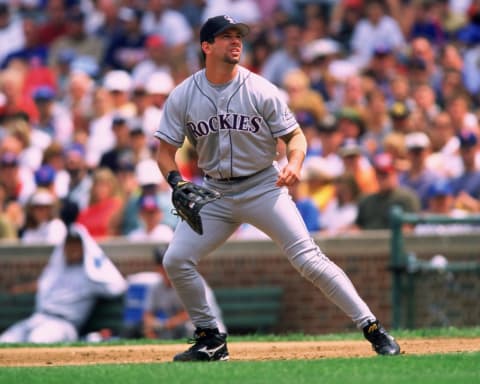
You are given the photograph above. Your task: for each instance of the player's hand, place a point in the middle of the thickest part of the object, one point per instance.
(288, 176)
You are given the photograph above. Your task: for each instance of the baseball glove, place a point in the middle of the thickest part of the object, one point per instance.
(188, 199)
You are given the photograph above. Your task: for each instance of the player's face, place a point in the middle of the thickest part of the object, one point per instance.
(73, 251)
(228, 46)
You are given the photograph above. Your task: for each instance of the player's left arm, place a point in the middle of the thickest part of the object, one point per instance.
(296, 150)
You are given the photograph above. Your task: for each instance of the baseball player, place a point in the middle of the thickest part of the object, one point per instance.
(233, 118)
(77, 273)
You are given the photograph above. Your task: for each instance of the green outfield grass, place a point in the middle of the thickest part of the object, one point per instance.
(461, 368)
(432, 369)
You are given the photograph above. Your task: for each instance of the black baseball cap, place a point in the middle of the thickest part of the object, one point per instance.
(216, 25)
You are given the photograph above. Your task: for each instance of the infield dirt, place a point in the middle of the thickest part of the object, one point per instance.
(102, 354)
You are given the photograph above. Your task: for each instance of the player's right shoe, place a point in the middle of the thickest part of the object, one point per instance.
(209, 345)
(382, 342)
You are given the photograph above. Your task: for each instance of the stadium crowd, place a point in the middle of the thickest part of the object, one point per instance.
(387, 93)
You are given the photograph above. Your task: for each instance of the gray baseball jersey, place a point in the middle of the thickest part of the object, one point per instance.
(233, 127)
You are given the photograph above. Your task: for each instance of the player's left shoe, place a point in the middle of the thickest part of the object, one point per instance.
(209, 345)
(382, 342)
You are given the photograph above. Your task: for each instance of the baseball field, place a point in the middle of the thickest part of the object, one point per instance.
(428, 356)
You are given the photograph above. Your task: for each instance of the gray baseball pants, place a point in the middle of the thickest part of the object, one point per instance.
(258, 201)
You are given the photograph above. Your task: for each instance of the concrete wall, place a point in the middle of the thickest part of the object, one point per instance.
(438, 299)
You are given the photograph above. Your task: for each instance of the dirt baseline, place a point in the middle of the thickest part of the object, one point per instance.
(100, 354)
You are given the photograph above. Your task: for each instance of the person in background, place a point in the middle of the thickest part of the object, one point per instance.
(80, 181)
(102, 215)
(466, 187)
(8, 229)
(356, 164)
(151, 216)
(150, 182)
(165, 316)
(374, 209)
(77, 273)
(441, 201)
(418, 177)
(42, 224)
(122, 151)
(341, 212)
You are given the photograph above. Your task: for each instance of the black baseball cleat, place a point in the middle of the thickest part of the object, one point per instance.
(209, 345)
(382, 342)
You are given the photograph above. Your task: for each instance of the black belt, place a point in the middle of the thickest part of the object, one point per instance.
(233, 179)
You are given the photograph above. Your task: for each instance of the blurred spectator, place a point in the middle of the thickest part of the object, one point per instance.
(400, 117)
(31, 50)
(306, 104)
(466, 187)
(301, 98)
(78, 100)
(53, 157)
(317, 56)
(357, 165)
(45, 178)
(102, 21)
(53, 119)
(422, 61)
(76, 39)
(162, 20)
(378, 124)
(374, 209)
(427, 23)
(138, 141)
(340, 213)
(157, 60)
(318, 180)
(376, 29)
(149, 101)
(458, 107)
(351, 94)
(54, 24)
(418, 177)
(101, 137)
(151, 216)
(14, 99)
(331, 138)
(445, 144)
(470, 71)
(103, 214)
(17, 180)
(425, 103)
(383, 68)
(126, 48)
(400, 88)
(119, 84)
(451, 84)
(21, 140)
(350, 123)
(345, 16)
(156, 311)
(441, 202)
(150, 182)
(77, 273)
(11, 30)
(122, 151)
(80, 182)
(42, 224)
(8, 229)
(286, 57)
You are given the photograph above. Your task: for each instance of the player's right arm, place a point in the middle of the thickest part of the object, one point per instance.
(166, 153)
